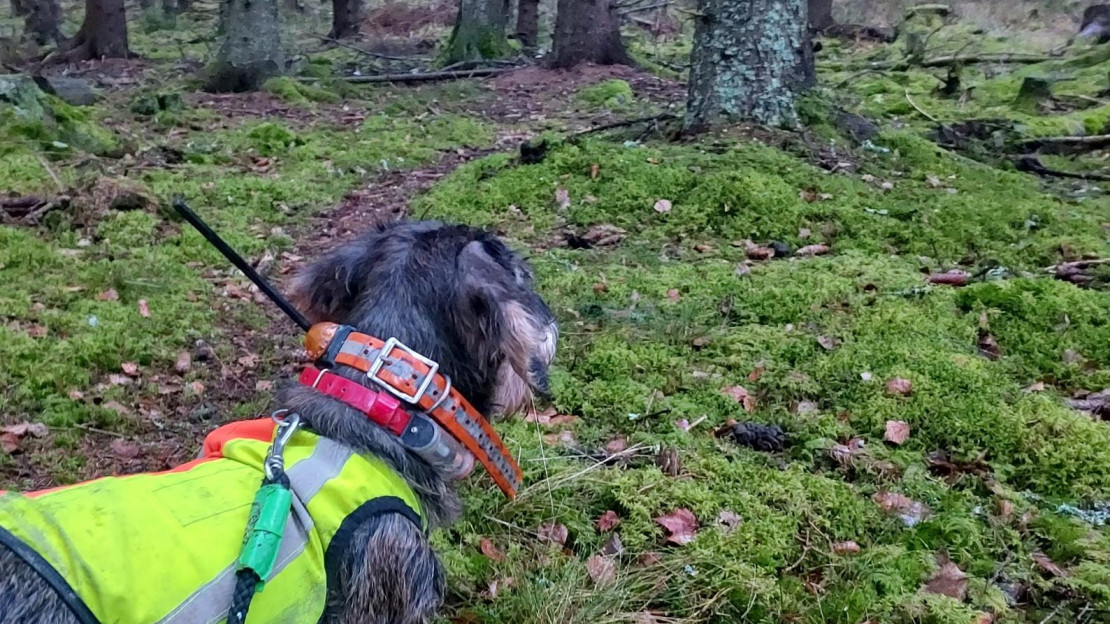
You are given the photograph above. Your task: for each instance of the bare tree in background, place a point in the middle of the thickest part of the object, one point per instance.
(751, 61)
(528, 24)
(345, 18)
(250, 47)
(820, 15)
(103, 34)
(587, 31)
(479, 31)
(43, 22)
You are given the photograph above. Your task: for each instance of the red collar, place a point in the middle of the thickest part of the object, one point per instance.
(411, 378)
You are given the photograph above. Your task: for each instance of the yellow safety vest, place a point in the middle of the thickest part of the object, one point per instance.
(162, 548)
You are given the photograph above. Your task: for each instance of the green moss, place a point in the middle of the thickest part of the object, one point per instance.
(613, 94)
(296, 92)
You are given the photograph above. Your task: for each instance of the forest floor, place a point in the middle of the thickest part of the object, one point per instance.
(942, 393)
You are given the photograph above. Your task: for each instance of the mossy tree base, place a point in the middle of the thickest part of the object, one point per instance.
(587, 31)
(103, 34)
(250, 52)
(479, 32)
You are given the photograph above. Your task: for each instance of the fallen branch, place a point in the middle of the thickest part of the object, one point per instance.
(622, 124)
(919, 109)
(658, 5)
(422, 76)
(1031, 164)
(21, 205)
(1076, 265)
(1067, 143)
(1017, 58)
(387, 57)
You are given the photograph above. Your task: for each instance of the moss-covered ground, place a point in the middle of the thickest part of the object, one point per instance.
(101, 296)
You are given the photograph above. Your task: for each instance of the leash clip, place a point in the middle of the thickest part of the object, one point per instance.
(275, 458)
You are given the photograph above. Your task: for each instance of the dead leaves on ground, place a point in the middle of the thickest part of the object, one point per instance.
(12, 435)
(741, 395)
(949, 580)
(608, 521)
(911, 512)
(897, 432)
(681, 526)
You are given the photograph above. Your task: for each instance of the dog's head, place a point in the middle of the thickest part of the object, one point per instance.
(455, 294)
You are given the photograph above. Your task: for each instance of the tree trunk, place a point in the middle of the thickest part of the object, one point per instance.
(479, 31)
(103, 34)
(820, 15)
(587, 31)
(528, 24)
(43, 22)
(250, 50)
(345, 18)
(751, 61)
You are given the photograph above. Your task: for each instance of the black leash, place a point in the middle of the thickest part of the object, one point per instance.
(269, 512)
(187, 213)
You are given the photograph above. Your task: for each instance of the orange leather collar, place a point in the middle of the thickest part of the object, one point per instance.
(415, 379)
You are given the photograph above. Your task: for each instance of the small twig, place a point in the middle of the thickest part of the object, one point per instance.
(622, 124)
(373, 54)
(1078, 264)
(94, 430)
(50, 172)
(1051, 615)
(641, 9)
(919, 109)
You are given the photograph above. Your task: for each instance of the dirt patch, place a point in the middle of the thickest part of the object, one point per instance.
(402, 20)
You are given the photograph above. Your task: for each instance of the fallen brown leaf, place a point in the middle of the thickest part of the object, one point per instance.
(988, 346)
(1037, 387)
(910, 511)
(183, 363)
(899, 386)
(263, 385)
(601, 569)
(673, 294)
(812, 250)
(608, 521)
(949, 580)
(949, 278)
(130, 368)
(827, 343)
(119, 380)
(741, 395)
(562, 438)
(9, 443)
(488, 549)
(681, 526)
(846, 548)
(144, 308)
(613, 545)
(124, 449)
(616, 445)
(756, 374)
(1048, 565)
(108, 295)
(36, 430)
(728, 520)
(553, 532)
(594, 170)
(562, 197)
(663, 205)
(897, 432)
(669, 461)
(649, 559)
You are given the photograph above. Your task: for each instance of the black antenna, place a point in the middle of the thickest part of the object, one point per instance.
(185, 211)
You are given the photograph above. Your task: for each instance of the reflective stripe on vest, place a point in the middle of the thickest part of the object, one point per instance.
(162, 547)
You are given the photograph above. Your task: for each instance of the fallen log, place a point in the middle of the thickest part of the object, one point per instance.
(1031, 164)
(1065, 144)
(1018, 58)
(422, 76)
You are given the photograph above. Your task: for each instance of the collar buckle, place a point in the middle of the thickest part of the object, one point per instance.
(380, 361)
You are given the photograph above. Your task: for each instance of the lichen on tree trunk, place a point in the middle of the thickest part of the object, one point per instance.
(528, 23)
(587, 31)
(479, 32)
(751, 61)
(345, 18)
(250, 50)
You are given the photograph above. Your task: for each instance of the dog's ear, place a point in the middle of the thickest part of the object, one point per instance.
(502, 312)
(328, 289)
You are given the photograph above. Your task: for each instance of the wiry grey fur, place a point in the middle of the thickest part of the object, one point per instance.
(452, 293)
